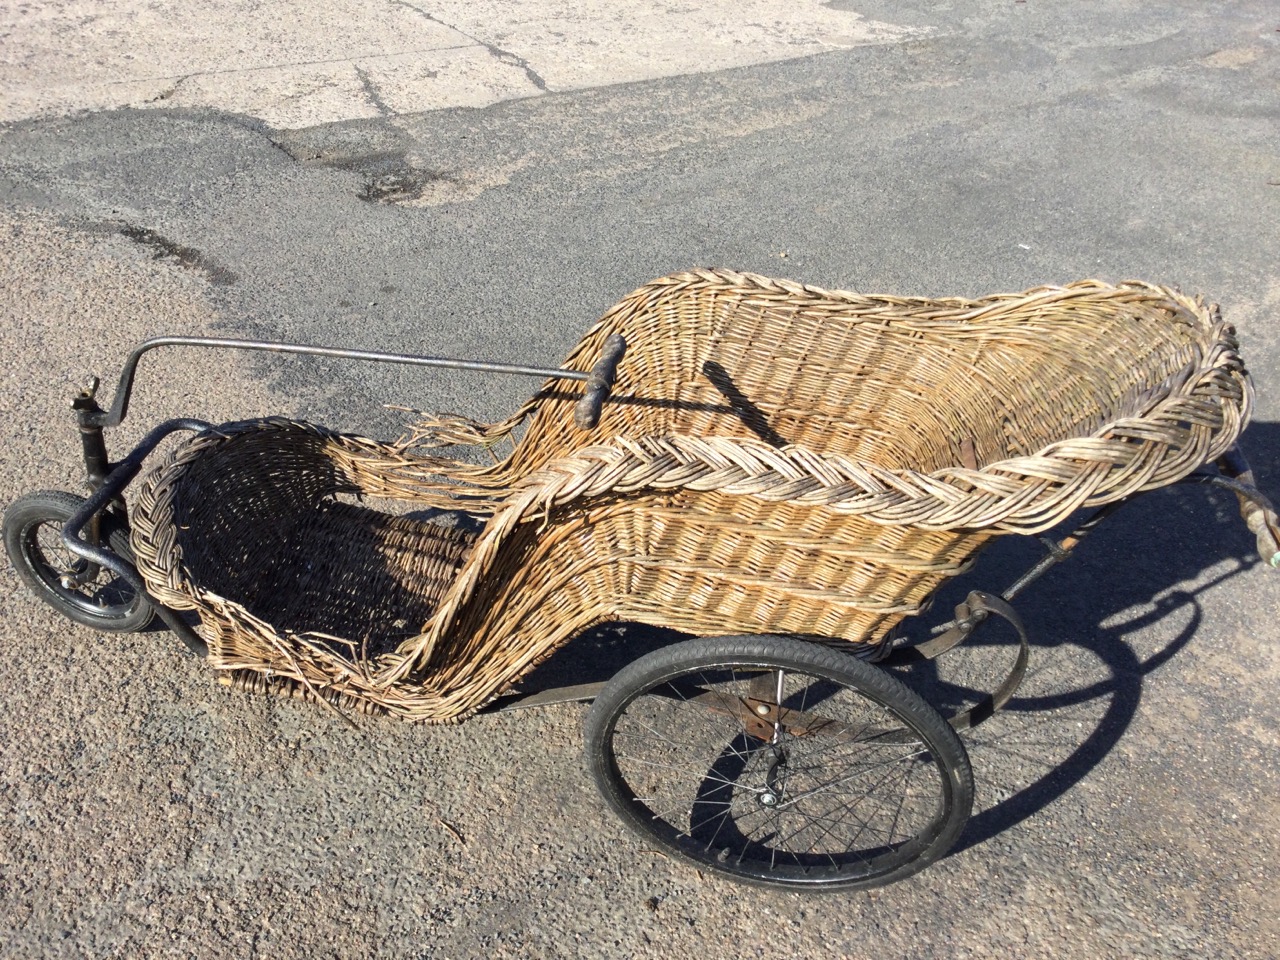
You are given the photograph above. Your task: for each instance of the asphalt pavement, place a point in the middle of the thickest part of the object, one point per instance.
(1128, 802)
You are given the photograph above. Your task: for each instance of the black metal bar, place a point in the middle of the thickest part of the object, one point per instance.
(100, 554)
(94, 448)
(124, 388)
(97, 465)
(181, 629)
(982, 605)
(1060, 550)
(577, 693)
(976, 610)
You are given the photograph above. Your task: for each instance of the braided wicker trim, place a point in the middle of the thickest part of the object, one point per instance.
(921, 313)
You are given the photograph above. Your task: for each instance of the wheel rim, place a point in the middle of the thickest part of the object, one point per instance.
(836, 787)
(105, 596)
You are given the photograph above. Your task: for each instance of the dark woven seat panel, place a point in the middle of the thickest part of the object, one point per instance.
(345, 571)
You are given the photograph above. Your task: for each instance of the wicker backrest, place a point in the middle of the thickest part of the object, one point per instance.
(901, 382)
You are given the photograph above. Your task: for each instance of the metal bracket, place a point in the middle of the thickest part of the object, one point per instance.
(977, 608)
(1259, 513)
(578, 693)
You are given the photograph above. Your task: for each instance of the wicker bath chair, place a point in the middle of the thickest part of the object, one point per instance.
(774, 459)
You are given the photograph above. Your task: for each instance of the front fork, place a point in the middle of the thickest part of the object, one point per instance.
(97, 466)
(83, 533)
(1258, 513)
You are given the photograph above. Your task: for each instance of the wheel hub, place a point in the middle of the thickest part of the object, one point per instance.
(771, 796)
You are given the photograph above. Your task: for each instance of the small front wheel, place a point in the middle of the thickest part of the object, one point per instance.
(88, 594)
(779, 762)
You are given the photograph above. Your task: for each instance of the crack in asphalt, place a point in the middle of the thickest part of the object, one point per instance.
(502, 56)
(509, 58)
(372, 93)
(172, 89)
(162, 248)
(289, 64)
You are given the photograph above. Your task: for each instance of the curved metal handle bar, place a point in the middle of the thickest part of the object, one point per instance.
(124, 388)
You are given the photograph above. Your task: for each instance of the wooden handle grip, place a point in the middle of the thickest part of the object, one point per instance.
(586, 414)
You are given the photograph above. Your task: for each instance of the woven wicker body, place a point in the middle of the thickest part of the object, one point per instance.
(774, 458)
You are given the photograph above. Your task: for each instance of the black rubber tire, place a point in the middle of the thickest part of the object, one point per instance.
(32, 538)
(817, 764)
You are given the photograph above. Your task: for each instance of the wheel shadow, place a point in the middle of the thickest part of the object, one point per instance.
(1038, 725)
(1099, 627)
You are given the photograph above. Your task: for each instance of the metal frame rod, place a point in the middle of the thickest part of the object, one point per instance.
(121, 476)
(124, 388)
(1056, 551)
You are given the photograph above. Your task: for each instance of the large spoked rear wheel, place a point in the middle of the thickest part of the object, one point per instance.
(779, 762)
(87, 594)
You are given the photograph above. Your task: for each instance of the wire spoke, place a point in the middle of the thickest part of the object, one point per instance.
(836, 777)
(864, 823)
